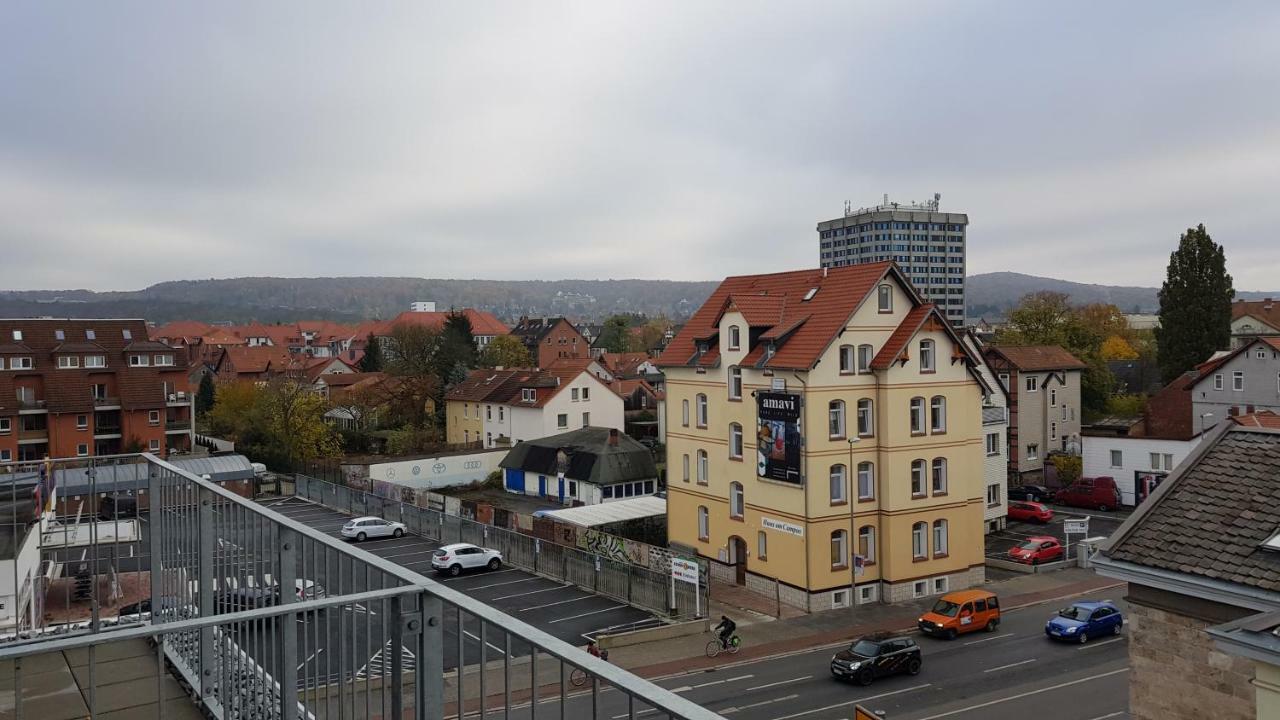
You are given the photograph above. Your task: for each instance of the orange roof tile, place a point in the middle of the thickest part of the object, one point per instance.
(906, 330)
(1032, 358)
(1263, 419)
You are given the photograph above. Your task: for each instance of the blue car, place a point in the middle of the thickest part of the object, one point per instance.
(1084, 621)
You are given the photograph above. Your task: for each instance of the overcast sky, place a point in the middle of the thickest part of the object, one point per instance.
(142, 142)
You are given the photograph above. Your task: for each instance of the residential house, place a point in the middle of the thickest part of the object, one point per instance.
(502, 406)
(1252, 319)
(1043, 386)
(1232, 384)
(1202, 563)
(82, 387)
(824, 439)
(551, 338)
(586, 466)
(630, 365)
(331, 384)
(319, 366)
(254, 363)
(995, 439)
(484, 326)
(463, 403)
(595, 366)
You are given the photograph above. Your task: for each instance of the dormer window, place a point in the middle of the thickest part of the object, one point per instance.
(885, 298)
(702, 347)
(139, 360)
(734, 337)
(769, 350)
(95, 361)
(127, 333)
(163, 360)
(528, 395)
(90, 335)
(67, 362)
(17, 335)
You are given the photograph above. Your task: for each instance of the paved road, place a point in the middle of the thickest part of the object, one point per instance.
(1014, 673)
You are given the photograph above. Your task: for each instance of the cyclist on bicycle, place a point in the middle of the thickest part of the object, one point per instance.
(595, 650)
(726, 628)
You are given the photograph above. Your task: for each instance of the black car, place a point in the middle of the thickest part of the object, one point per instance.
(876, 656)
(1031, 493)
(115, 507)
(249, 598)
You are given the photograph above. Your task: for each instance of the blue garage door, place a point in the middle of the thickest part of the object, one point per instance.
(515, 480)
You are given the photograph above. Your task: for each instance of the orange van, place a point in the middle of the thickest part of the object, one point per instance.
(961, 612)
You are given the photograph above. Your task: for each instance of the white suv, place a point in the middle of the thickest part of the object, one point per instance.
(362, 528)
(453, 559)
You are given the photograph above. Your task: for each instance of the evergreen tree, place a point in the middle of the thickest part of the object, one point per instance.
(1195, 305)
(371, 361)
(615, 337)
(204, 395)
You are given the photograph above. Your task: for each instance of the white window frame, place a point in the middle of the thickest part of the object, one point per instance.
(1053, 431)
(562, 420)
(1168, 461)
(762, 545)
(866, 354)
(68, 362)
(919, 477)
(735, 383)
(993, 495)
(940, 585)
(1033, 451)
(684, 409)
(938, 414)
(993, 444)
(1217, 381)
(139, 361)
(163, 360)
(917, 415)
(704, 523)
(735, 338)
(586, 394)
(848, 360)
(1117, 458)
(1155, 460)
(82, 450)
(938, 480)
(884, 298)
(6, 426)
(836, 420)
(1053, 397)
(920, 540)
(573, 394)
(686, 467)
(928, 357)
(870, 556)
(95, 361)
(20, 363)
(867, 471)
(940, 539)
(586, 419)
(82, 424)
(839, 539)
(919, 588)
(1032, 384)
(737, 501)
(866, 417)
(837, 476)
(153, 417)
(155, 445)
(735, 441)
(1237, 381)
(867, 594)
(704, 467)
(700, 403)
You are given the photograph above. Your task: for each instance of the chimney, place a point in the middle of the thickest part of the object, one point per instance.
(824, 272)
(613, 437)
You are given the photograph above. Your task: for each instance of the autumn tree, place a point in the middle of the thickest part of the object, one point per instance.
(232, 414)
(505, 351)
(649, 335)
(293, 415)
(414, 360)
(1047, 318)
(1117, 348)
(1195, 304)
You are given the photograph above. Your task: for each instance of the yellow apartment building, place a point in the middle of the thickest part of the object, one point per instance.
(824, 439)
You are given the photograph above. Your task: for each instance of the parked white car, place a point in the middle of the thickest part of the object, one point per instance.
(363, 528)
(453, 559)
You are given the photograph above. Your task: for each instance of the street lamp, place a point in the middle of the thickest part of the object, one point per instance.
(1202, 417)
(851, 477)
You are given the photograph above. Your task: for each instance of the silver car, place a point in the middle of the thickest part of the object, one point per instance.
(363, 528)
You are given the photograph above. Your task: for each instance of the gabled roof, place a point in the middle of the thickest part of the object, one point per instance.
(590, 457)
(479, 384)
(836, 293)
(1214, 364)
(1037, 358)
(259, 359)
(1211, 517)
(533, 329)
(1264, 419)
(901, 336)
(1265, 311)
(181, 329)
(625, 363)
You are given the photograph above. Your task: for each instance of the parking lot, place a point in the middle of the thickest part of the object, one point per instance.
(565, 611)
(1101, 524)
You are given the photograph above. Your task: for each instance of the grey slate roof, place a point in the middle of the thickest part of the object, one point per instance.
(591, 457)
(1211, 517)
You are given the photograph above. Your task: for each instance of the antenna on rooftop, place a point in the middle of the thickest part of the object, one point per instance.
(937, 199)
(848, 207)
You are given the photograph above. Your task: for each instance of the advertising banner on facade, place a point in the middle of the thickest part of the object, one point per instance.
(778, 436)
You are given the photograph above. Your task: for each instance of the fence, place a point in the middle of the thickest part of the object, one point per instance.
(642, 587)
(257, 617)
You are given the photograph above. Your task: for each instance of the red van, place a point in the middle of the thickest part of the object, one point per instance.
(1100, 493)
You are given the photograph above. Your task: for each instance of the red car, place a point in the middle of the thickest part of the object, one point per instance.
(1030, 511)
(1036, 550)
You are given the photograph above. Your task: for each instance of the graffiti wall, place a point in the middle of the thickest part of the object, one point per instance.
(613, 547)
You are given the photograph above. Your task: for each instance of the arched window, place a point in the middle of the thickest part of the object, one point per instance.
(917, 478)
(920, 540)
(762, 546)
(702, 410)
(835, 417)
(927, 358)
(867, 544)
(865, 354)
(839, 549)
(735, 338)
(737, 504)
(917, 416)
(866, 481)
(686, 467)
(866, 418)
(939, 537)
(847, 360)
(735, 441)
(704, 523)
(684, 413)
(735, 383)
(838, 485)
(939, 476)
(885, 298)
(938, 414)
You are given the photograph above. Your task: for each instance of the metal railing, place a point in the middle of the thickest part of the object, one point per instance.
(255, 616)
(635, 585)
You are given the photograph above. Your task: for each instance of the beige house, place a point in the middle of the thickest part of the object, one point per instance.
(824, 439)
(1043, 386)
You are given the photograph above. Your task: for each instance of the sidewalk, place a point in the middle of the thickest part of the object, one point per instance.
(762, 638)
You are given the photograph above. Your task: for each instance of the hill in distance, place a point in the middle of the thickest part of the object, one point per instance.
(994, 294)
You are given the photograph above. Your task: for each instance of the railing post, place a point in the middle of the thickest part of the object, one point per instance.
(287, 625)
(429, 684)
(207, 545)
(404, 630)
(159, 526)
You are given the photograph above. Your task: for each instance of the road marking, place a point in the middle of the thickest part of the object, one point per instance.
(996, 637)
(687, 688)
(781, 682)
(509, 582)
(313, 657)
(531, 592)
(1029, 693)
(729, 711)
(1100, 644)
(851, 703)
(561, 602)
(1118, 713)
(593, 612)
(1006, 667)
(642, 713)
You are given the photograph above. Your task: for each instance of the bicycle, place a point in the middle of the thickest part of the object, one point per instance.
(578, 677)
(715, 647)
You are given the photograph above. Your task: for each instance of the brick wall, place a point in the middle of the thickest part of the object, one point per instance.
(1176, 672)
(902, 592)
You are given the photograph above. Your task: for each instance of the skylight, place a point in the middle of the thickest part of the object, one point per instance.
(809, 295)
(1273, 542)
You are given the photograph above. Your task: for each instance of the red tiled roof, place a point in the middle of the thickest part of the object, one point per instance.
(1267, 311)
(479, 384)
(482, 323)
(624, 363)
(839, 292)
(898, 341)
(758, 310)
(1033, 358)
(1263, 419)
(259, 359)
(337, 380)
(180, 329)
(315, 367)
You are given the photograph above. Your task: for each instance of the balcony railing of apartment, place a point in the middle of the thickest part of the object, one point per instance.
(36, 434)
(177, 425)
(29, 403)
(106, 428)
(255, 616)
(106, 401)
(994, 415)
